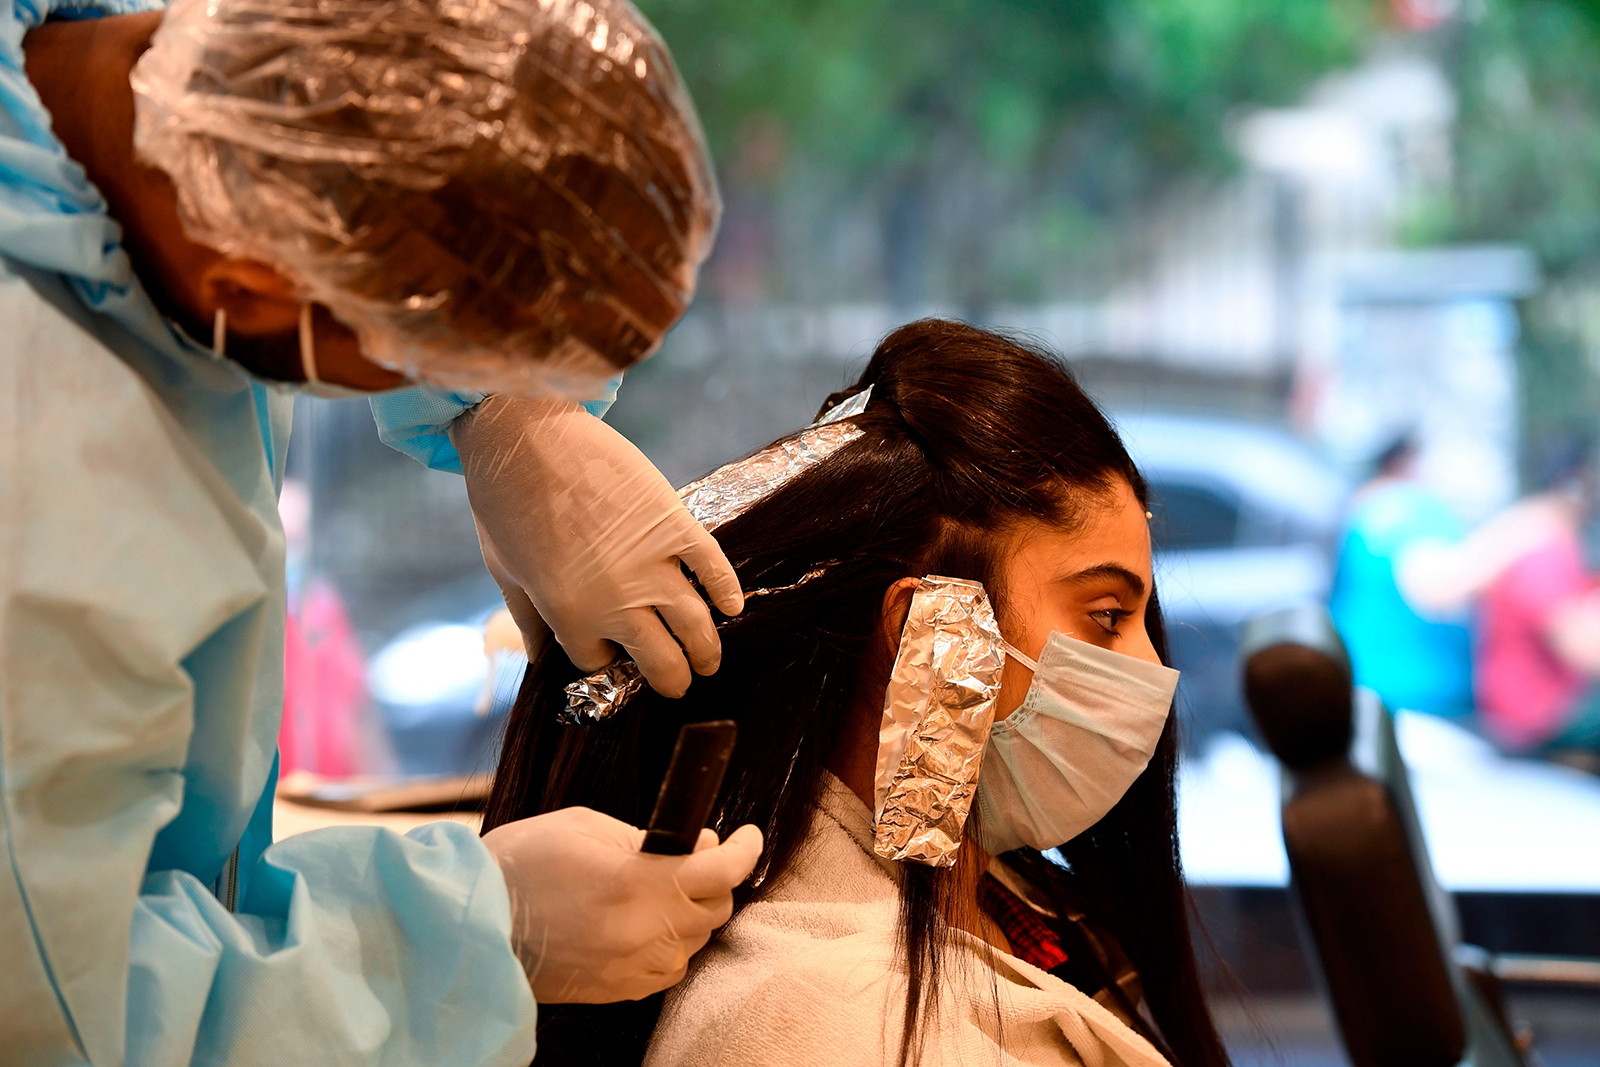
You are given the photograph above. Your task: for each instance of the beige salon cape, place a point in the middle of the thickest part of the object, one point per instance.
(810, 976)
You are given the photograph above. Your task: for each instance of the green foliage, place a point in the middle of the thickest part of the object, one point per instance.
(1528, 140)
(866, 85)
(1557, 386)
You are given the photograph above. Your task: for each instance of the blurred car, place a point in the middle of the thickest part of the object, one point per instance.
(1245, 520)
(442, 699)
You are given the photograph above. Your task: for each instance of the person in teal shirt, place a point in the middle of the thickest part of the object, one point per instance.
(202, 211)
(1411, 661)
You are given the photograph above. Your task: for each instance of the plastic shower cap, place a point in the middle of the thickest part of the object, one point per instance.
(506, 195)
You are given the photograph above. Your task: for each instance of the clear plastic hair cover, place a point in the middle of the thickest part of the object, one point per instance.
(505, 195)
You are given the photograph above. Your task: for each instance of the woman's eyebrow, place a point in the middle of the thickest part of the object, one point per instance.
(1102, 571)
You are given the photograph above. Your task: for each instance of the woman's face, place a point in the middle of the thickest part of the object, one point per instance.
(1091, 583)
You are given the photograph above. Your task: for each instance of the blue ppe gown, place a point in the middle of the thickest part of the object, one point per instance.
(144, 919)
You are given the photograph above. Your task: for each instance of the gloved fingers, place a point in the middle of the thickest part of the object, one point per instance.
(671, 955)
(590, 989)
(705, 557)
(707, 839)
(681, 951)
(535, 632)
(688, 924)
(688, 946)
(670, 980)
(658, 656)
(644, 960)
(644, 981)
(534, 629)
(709, 874)
(638, 988)
(588, 654)
(690, 621)
(708, 914)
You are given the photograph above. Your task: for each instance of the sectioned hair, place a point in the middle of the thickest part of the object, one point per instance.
(967, 433)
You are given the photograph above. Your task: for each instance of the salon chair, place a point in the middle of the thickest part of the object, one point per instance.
(1384, 936)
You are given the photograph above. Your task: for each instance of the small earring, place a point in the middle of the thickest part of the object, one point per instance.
(308, 347)
(219, 334)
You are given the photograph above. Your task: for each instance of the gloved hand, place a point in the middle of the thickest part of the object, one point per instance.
(578, 528)
(594, 920)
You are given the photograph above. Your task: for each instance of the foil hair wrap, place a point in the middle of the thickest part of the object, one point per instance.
(720, 496)
(937, 712)
(505, 195)
(596, 697)
(728, 492)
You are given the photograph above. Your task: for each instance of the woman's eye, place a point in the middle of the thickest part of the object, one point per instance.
(1109, 619)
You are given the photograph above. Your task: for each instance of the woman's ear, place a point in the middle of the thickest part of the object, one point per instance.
(258, 301)
(896, 606)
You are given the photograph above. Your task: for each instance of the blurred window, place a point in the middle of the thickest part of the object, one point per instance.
(1190, 516)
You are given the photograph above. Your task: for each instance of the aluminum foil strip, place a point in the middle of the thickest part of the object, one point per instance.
(724, 494)
(937, 712)
(854, 404)
(728, 492)
(597, 696)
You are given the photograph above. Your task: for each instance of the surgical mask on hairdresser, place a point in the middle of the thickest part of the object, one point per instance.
(1086, 729)
(312, 386)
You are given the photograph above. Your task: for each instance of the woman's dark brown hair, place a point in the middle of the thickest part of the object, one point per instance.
(967, 433)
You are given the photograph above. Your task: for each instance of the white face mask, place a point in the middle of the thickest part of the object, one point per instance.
(313, 385)
(1086, 729)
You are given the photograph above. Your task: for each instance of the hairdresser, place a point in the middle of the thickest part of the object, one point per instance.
(204, 211)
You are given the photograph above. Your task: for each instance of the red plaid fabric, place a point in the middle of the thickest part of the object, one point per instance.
(1030, 934)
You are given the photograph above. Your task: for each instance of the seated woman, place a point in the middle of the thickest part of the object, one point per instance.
(978, 459)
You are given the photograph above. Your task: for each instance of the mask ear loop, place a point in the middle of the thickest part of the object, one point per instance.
(219, 335)
(308, 346)
(1022, 657)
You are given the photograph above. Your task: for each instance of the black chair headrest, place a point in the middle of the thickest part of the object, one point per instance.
(1297, 681)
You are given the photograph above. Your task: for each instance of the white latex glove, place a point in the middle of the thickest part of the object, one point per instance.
(578, 528)
(594, 920)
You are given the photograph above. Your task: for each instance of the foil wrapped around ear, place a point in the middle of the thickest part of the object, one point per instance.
(937, 712)
(724, 494)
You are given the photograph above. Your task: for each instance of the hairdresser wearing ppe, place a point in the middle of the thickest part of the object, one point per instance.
(202, 211)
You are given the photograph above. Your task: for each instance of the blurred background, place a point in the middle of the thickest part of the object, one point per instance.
(1333, 266)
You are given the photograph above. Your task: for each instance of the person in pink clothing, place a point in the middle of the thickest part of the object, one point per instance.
(1539, 638)
(1526, 688)
(324, 670)
(324, 688)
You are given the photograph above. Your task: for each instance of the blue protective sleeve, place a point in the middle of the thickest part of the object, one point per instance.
(416, 421)
(141, 640)
(141, 653)
(353, 945)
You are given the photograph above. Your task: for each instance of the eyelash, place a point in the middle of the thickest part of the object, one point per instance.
(1116, 615)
